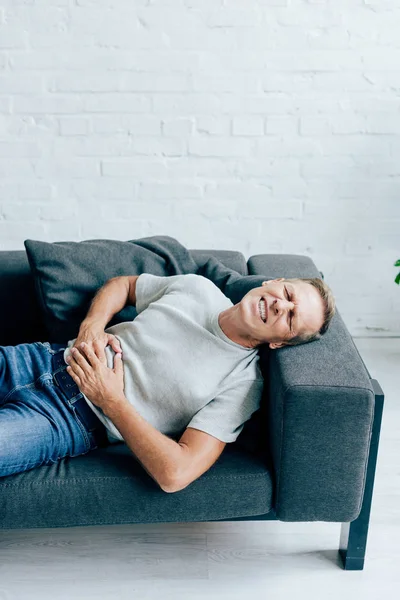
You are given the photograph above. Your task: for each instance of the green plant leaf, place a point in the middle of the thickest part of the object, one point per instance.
(397, 280)
(397, 263)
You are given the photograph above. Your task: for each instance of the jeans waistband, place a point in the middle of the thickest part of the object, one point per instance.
(70, 389)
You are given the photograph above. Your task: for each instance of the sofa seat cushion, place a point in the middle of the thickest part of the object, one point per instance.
(109, 486)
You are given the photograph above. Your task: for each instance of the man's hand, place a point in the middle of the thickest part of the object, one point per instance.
(102, 385)
(96, 338)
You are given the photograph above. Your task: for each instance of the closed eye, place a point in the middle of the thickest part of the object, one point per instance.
(289, 297)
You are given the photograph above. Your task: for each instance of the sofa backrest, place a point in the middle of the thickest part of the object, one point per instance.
(20, 317)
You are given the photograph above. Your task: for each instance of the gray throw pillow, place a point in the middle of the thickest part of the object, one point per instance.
(67, 275)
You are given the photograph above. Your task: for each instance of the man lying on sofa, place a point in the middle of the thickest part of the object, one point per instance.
(187, 364)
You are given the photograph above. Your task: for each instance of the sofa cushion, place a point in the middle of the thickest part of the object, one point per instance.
(68, 274)
(230, 258)
(109, 486)
(283, 265)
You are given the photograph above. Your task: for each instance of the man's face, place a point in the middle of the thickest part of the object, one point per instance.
(280, 310)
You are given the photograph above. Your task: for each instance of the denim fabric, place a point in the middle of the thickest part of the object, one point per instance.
(38, 423)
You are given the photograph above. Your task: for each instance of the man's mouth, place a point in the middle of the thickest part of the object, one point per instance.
(262, 307)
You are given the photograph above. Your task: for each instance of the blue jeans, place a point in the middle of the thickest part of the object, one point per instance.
(38, 423)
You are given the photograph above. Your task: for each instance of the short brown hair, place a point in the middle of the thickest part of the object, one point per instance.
(329, 310)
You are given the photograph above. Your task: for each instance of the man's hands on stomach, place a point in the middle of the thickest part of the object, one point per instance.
(87, 365)
(97, 339)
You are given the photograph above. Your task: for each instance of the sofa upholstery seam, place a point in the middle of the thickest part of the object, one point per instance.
(339, 387)
(74, 480)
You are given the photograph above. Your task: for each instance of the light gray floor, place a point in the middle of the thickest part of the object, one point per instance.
(222, 560)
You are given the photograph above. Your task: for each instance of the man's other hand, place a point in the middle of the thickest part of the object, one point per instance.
(102, 385)
(97, 339)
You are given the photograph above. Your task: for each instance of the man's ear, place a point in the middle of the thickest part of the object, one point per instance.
(274, 345)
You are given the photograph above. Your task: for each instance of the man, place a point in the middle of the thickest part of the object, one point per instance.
(189, 366)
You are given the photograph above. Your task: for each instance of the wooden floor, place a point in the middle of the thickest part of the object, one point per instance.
(222, 560)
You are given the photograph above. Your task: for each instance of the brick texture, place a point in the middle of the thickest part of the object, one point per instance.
(256, 125)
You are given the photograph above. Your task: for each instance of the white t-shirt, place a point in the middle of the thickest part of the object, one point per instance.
(180, 369)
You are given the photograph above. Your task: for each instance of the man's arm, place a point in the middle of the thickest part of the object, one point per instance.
(115, 294)
(173, 465)
(110, 299)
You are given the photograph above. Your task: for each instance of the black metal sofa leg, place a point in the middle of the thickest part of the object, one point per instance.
(353, 535)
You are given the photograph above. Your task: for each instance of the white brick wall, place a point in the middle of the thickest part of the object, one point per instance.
(256, 125)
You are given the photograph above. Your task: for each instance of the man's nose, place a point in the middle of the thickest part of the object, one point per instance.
(281, 306)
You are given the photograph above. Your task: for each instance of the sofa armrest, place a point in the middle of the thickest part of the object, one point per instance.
(320, 416)
(320, 410)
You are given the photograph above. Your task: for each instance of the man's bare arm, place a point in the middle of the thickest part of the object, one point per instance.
(162, 457)
(110, 299)
(173, 465)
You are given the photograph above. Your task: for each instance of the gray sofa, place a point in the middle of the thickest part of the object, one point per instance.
(308, 454)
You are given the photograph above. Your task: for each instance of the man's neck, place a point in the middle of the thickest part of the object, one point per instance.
(229, 322)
